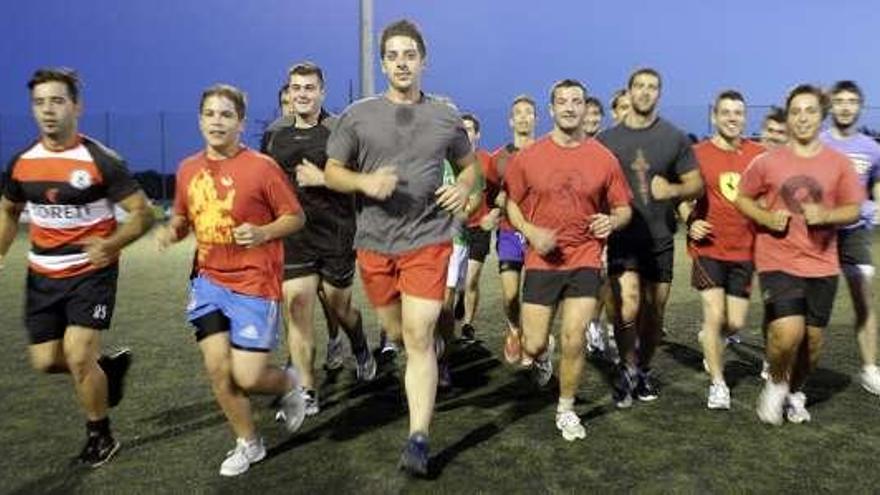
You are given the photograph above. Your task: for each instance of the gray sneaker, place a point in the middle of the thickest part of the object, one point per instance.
(366, 367)
(542, 367)
(335, 353)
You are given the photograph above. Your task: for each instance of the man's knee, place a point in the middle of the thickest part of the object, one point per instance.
(246, 378)
(48, 360)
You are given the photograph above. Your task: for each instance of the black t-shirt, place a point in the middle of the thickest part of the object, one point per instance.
(330, 215)
(659, 149)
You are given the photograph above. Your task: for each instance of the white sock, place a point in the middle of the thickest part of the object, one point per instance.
(565, 405)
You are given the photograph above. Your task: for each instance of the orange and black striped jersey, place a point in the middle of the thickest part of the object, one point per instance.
(69, 196)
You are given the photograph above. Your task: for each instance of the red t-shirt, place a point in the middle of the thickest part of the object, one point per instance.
(785, 181)
(216, 196)
(500, 160)
(490, 189)
(560, 188)
(733, 235)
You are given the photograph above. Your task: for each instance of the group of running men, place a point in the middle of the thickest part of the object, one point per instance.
(397, 187)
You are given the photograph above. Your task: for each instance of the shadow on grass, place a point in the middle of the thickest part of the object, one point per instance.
(62, 480)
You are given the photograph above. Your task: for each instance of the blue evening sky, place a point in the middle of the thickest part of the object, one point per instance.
(139, 58)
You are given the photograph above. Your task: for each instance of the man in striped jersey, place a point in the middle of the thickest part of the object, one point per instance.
(69, 184)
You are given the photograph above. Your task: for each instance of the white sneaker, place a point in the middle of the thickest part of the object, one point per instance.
(870, 378)
(611, 348)
(293, 405)
(595, 342)
(796, 408)
(310, 401)
(733, 338)
(570, 425)
(771, 401)
(719, 396)
(239, 459)
(765, 370)
(335, 353)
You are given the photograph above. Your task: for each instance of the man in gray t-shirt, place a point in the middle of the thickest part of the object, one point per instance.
(661, 169)
(389, 150)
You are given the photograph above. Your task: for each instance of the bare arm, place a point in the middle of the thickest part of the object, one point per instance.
(378, 185)
(816, 214)
(176, 229)
(543, 240)
(9, 215)
(602, 225)
(455, 197)
(776, 220)
(250, 235)
(103, 251)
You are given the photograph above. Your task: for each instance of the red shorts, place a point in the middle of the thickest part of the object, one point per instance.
(420, 273)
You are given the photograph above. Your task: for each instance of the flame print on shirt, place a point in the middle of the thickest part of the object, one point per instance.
(211, 215)
(728, 183)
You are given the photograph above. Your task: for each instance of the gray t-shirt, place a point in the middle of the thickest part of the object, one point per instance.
(659, 149)
(414, 139)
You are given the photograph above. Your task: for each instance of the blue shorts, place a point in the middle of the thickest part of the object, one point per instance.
(252, 322)
(510, 246)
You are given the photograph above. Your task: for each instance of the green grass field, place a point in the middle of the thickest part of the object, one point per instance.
(493, 433)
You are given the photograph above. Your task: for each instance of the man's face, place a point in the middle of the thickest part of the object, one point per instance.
(729, 118)
(592, 119)
(219, 122)
(306, 94)
(623, 106)
(522, 119)
(804, 117)
(54, 110)
(644, 93)
(568, 109)
(773, 134)
(402, 63)
(845, 108)
(472, 133)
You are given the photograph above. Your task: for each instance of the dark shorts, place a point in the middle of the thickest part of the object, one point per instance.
(735, 277)
(790, 295)
(854, 247)
(306, 255)
(650, 265)
(478, 243)
(53, 304)
(510, 246)
(548, 287)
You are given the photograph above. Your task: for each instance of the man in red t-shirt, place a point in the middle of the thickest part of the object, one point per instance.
(566, 195)
(798, 195)
(479, 230)
(720, 238)
(240, 205)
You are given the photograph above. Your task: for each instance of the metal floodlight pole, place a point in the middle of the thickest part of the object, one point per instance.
(367, 88)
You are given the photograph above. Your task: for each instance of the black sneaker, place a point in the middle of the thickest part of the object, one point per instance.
(624, 388)
(98, 450)
(414, 459)
(458, 310)
(468, 333)
(115, 366)
(646, 389)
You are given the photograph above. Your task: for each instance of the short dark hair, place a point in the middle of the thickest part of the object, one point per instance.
(281, 92)
(524, 99)
(64, 75)
(775, 114)
(233, 94)
(728, 94)
(808, 89)
(846, 85)
(592, 100)
(615, 98)
(644, 70)
(307, 69)
(473, 119)
(567, 83)
(404, 28)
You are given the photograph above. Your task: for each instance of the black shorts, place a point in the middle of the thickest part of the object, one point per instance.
(790, 295)
(651, 266)
(53, 304)
(307, 255)
(854, 247)
(548, 287)
(735, 277)
(479, 241)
